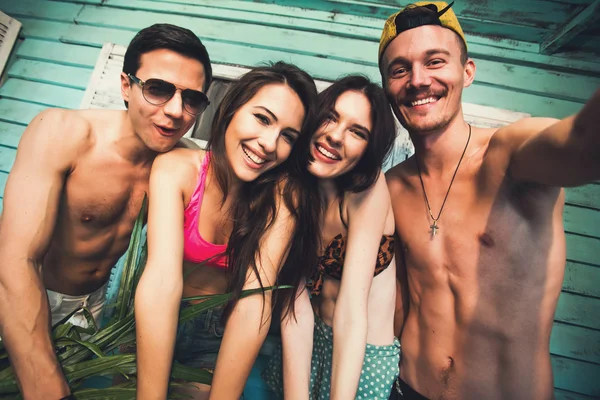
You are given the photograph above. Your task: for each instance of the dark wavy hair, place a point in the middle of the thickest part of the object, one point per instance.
(255, 208)
(381, 139)
(169, 37)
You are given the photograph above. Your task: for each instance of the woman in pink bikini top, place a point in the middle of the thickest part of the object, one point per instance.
(224, 220)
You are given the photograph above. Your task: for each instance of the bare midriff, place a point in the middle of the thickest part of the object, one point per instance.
(380, 329)
(484, 289)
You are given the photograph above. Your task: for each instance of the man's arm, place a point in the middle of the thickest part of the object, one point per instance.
(46, 154)
(158, 295)
(367, 214)
(565, 153)
(248, 324)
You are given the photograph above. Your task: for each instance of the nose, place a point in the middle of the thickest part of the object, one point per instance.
(268, 140)
(335, 134)
(174, 107)
(419, 77)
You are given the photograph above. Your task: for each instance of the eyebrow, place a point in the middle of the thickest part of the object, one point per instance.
(437, 51)
(277, 120)
(269, 112)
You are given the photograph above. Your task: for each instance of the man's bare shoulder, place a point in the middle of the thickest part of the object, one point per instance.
(73, 124)
(400, 175)
(57, 133)
(513, 135)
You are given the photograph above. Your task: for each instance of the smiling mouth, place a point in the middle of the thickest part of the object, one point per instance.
(422, 102)
(253, 156)
(327, 153)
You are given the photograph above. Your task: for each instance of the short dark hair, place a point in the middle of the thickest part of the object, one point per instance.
(427, 14)
(170, 37)
(381, 139)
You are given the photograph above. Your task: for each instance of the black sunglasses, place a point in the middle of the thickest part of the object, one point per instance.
(158, 92)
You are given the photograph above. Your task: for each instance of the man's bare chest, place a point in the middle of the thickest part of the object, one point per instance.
(100, 195)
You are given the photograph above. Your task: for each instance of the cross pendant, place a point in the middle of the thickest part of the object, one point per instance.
(434, 228)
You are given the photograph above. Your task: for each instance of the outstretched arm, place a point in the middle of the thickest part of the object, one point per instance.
(248, 324)
(46, 154)
(367, 214)
(158, 295)
(563, 153)
(297, 344)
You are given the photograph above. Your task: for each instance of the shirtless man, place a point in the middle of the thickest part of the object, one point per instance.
(75, 191)
(479, 217)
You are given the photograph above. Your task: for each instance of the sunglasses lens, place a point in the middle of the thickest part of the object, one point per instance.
(194, 101)
(158, 92)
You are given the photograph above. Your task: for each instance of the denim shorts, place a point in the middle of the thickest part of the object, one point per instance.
(199, 340)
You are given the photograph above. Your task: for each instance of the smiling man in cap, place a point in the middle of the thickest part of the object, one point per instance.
(478, 211)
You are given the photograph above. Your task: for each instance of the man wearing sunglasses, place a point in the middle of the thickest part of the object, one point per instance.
(75, 190)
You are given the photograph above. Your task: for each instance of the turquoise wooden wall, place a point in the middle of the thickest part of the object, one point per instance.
(62, 39)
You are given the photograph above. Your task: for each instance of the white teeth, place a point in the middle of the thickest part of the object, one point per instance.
(423, 101)
(253, 156)
(326, 153)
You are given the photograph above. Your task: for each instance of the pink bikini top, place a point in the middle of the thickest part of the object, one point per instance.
(195, 248)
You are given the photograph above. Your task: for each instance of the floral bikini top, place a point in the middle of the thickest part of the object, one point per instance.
(331, 263)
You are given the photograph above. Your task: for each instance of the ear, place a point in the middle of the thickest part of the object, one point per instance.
(469, 72)
(125, 86)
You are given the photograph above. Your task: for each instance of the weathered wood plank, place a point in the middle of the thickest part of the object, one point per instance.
(567, 395)
(303, 13)
(575, 342)
(586, 18)
(56, 11)
(511, 99)
(567, 86)
(582, 279)
(58, 53)
(479, 46)
(583, 249)
(578, 310)
(586, 196)
(10, 134)
(583, 221)
(43, 72)
(560, 85)
(286, 37)
(216, 12)
(18, 112)
(321, 68)
(577, 376)
(7, 158)
(41, 93)
(74, 34)
(539, 13)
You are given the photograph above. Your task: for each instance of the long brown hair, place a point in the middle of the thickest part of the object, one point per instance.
(255, 208)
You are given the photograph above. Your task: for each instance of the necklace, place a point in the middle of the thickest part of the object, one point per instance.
(434, 227)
